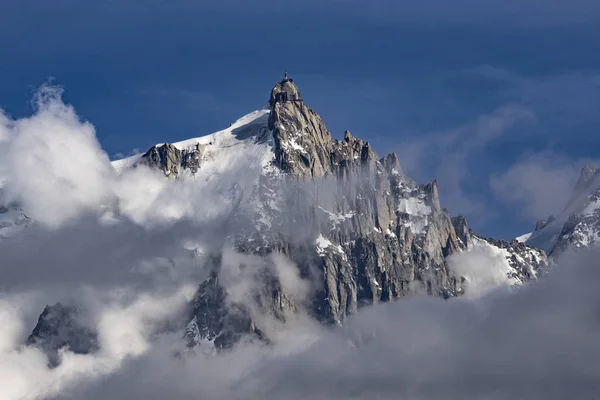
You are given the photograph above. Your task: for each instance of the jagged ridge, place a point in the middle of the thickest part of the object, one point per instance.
(352, 222)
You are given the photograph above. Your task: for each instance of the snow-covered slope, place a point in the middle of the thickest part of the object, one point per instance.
(246, 139)
(246, 145)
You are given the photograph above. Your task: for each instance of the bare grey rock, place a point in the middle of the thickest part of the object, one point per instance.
(172, 161)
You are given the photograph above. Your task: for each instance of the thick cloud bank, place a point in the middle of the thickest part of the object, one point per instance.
(539, 342)
(126, 248)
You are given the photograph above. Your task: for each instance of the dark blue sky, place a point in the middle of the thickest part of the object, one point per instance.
(499, 100)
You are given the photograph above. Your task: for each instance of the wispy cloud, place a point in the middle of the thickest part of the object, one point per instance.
(133, 274)
(418, 348)
(447, 155)
(539, 185)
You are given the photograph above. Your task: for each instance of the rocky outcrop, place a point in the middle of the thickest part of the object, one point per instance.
(172, 160)
(59, 327)
(302, 142)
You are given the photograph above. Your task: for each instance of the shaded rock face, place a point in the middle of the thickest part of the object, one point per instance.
(216, 323)
(59, 326)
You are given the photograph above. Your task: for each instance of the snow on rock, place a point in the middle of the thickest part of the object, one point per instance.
(577, 227)
(591, 208)
(12, 221)
(196, 341)
(414, 206)
(337, 218)
(490, 264)
(247, 141)
(293, 145)
(323, 244)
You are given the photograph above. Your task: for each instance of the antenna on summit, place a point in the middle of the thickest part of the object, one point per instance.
(285, 75)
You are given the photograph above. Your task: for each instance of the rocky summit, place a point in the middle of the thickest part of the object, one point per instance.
(353, 226)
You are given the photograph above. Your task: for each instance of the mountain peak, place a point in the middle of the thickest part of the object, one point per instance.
(285, 91)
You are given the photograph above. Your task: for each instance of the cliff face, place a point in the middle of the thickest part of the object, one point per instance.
(350, 228)
(352, 222)
(171, 160)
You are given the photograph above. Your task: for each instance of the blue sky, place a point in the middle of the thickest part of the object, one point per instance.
(499, 100)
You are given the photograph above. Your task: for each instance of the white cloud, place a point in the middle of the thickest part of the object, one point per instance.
(125, 329)
(54, 164)
(538, 186)
(416, 348)
(484, 267)
(448, 153)
(56, 170)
